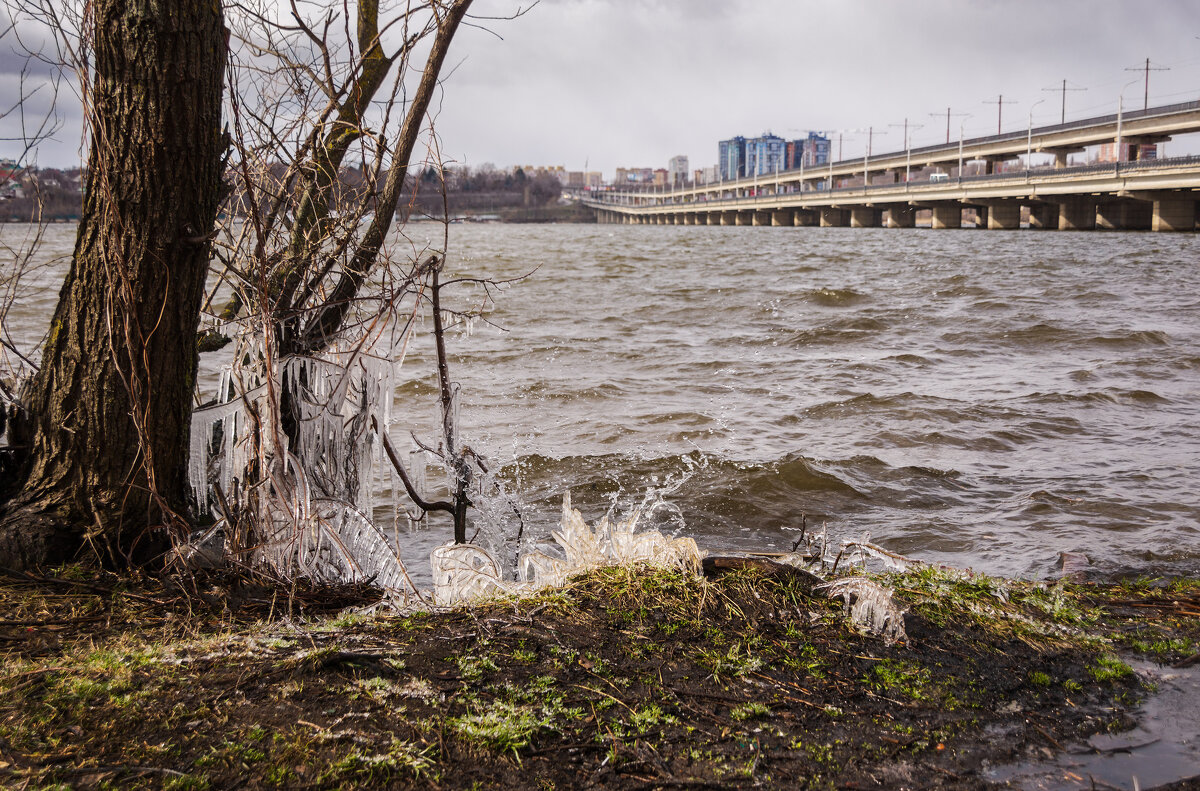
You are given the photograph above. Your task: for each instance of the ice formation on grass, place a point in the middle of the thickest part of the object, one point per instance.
(463, 572)
(870, 605)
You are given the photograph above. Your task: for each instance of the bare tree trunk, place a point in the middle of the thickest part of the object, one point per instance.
(108, 413)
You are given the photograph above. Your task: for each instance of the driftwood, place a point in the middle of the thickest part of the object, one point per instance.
(716, 565)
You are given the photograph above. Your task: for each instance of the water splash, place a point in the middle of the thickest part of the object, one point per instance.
(465, 572)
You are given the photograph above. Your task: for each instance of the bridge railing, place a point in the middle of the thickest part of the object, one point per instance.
(1040, 174)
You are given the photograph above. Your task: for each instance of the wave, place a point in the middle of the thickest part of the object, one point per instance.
(1048, 334)
(835, 297)
(717, 498)
(1110, 396)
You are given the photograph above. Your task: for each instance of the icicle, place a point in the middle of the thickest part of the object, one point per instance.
(417, 471)
(870, 605)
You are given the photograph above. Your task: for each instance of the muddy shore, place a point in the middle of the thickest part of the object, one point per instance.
(628, 678)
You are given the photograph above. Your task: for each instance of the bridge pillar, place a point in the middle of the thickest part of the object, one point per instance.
(760, 218)
(728, 218)
(900, 217)
(783, 217)
(833, 218)
(864, 217)
(1174, 213)
(742, 218)
(1125, 215)
(1004, 217)
(947, 216)
(1044, 216)
(981, 216)
(1077, 214)
(806, 218)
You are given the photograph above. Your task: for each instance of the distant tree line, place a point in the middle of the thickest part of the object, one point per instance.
(47, 194)
(51, 194)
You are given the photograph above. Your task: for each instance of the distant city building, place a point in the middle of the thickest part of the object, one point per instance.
(661, 177)
(812, 151)
(765, 154)
(1130, 152)
(731, 158)
(575, 179)
(677, 169)
(626, 176)
(593, 179)
(709, 175)
(557, 171)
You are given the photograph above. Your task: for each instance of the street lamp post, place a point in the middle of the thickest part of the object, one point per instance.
(908, 150)
(960, 146)
(1029, 139)
(1120, 112)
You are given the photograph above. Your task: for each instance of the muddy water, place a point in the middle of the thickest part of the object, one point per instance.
(987, 399)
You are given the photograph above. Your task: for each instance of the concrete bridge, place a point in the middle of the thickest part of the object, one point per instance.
(1135, 194)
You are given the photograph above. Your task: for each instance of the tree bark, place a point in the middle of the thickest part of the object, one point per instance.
(107, 416)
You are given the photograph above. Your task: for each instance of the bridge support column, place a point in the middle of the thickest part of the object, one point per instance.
(834, 218)
(864, 217)
(760, 218)
(728, 218)
(1004, 217)
(1125, 215)
(1044, 216)
(806, 218)
(947, 216)
(900, 217)
(743, 217)
(783, 217)
(1077, 214)
(1174, 214)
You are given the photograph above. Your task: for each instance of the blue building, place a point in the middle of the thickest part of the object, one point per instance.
(765, 154)
(731, 158)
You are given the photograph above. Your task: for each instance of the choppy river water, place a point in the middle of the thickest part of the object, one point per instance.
(987, 399)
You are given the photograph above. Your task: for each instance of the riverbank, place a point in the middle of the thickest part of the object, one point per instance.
(628, 678)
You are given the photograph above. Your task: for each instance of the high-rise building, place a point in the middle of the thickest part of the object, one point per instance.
(765, 154)
(812, 151)
(731, 158)
(677, 170)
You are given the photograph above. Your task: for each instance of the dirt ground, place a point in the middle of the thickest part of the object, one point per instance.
(628, 678)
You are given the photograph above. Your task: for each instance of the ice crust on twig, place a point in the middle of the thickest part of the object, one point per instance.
(306, 501)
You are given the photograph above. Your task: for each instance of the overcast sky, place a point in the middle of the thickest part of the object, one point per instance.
(608, 83)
